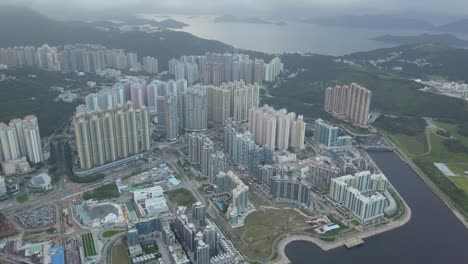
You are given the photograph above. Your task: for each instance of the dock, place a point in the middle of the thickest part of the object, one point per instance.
(353, 242)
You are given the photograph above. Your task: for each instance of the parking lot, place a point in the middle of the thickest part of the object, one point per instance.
(40, 217)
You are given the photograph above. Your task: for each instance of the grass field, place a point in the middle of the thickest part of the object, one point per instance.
(89, 245)
(461, 182)
(119, 254)
(453, 130)
(22, 197)
(407, 133)
(412, 145)
(262, 228)
(458, 168)
(110, 233)
(455, 187)
(107, 191)
(182, 197)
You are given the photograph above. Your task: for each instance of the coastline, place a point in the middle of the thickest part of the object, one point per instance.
(281, 246)
(427, 181)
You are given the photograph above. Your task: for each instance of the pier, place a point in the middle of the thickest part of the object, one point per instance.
(353, 242)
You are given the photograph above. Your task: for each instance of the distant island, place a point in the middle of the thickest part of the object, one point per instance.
(370, 21)
(247, 20)
(444, 39)
(459, 26)
(171, 23)
(168, 23)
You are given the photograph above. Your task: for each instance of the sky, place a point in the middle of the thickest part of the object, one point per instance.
(251, 7)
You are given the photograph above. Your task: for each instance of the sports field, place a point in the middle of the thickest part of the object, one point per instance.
(89, 245)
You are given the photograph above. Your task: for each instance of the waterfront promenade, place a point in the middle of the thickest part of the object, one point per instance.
(281, 246)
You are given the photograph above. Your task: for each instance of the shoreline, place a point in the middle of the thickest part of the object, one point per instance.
(427, 181)
(326, 246)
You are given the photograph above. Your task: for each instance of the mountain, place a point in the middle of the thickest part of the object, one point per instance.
(460, 26)
(370, 21)
(420, 60)
(171, 23)
(444, 39)
(22, 26)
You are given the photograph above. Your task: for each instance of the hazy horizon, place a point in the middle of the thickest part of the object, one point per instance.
(429, 10)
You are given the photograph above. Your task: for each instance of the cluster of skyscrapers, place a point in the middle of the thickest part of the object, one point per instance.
(202, 152)
(276, 129)
(178, 106)
(321, 173)
(187, 68)
(229, 182)
(75, 57)
(200, 237)
(349, 102)
(232, 99)
(240, 147)
(110, 135)
(361, 194)
(289, 189)
(21, 138)
(195, 109)
(215, 69)
(282, 186)
(328, 136)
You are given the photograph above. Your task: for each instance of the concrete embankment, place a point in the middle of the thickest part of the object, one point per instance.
(282, 258)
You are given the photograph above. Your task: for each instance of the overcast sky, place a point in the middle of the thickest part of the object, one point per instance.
(261, 7)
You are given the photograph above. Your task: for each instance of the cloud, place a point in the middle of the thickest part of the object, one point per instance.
(248, 6)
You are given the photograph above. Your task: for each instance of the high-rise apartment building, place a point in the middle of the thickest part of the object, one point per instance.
(21, 138)
(150, 65)
(349, 102)
(272, 128)
(289, 189)
(202, 255)
(172, 117)
(206, 150)
(132, 60)
(9, 142)
(243, 97)
(297, 132)
(328, 136)
(195, 142)
(105, 99)
(138, 92)
(18, 125)
(229, 182)
(259, 71)
(320, 175)
(216, 163)
(3, 188)
(195, 109)
(198, 212)
(273, 69)
(219, 104)
(74, 57)
(361, 194)
(210, 236)
(103, 137)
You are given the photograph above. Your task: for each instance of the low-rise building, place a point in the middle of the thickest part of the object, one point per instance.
(41, 182)
(19, 166)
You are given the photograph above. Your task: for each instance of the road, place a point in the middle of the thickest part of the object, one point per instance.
(108, 247)
(70, 190)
